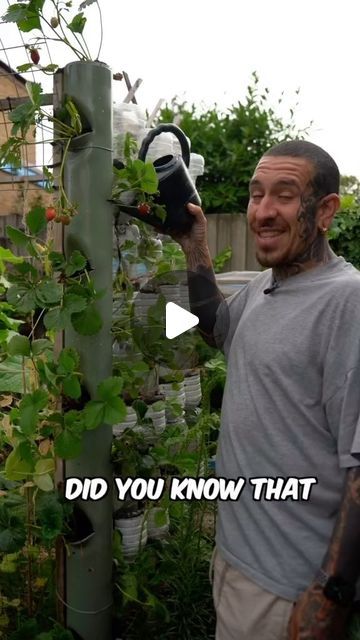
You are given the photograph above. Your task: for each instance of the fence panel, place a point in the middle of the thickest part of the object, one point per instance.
(231, 230)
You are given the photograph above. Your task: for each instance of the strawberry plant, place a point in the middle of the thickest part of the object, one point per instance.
(45, 410)
(64, 27)
(139, 180)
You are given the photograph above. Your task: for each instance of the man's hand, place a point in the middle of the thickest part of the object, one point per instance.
(197, 236)
(314, 617)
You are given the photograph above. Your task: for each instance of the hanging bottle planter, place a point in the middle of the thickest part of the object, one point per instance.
(158, 418)
(192, 387)
(134, 533)
(129, 423)
(176, 393)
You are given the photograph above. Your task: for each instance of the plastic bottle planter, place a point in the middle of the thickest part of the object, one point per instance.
(196, 166)
(162, 145)
(157, 531)
(134, 534)
(158, 419)
(127, 118)
(192, 386)
(177, 395)
(129, 423)
(151, 432)
(143, 302)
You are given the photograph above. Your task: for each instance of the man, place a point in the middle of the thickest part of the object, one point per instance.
(286, 569)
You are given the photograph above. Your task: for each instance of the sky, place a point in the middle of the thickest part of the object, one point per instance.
(204, 51)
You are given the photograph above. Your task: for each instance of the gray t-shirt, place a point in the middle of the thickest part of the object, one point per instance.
(291, 408)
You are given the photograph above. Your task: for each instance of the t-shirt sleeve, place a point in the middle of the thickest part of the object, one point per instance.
(343, 415)
(341, 387)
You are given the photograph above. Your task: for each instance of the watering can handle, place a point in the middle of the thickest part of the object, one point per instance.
(171, 128)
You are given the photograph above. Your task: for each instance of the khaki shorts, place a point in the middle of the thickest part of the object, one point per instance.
(245, 611)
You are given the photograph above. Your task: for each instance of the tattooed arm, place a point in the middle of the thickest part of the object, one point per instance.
(314, 616)
(204, 294)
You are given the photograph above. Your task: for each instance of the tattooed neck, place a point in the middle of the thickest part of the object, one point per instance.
(316, 247)
(318, 253)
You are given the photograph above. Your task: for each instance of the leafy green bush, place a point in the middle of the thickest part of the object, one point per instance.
(231, 144)
(345, 231)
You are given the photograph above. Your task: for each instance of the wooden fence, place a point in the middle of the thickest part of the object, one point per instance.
(231, 230)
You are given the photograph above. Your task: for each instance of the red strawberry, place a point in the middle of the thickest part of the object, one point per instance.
(50, 214)
(35, 56)
(144, 208)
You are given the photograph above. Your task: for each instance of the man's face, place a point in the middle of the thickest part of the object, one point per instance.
(281, 210)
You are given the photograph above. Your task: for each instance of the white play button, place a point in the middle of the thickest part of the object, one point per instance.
(178, 320)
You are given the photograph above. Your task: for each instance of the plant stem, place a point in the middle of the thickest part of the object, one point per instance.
(101, 30)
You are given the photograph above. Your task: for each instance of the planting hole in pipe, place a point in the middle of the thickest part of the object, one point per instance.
(81, 529)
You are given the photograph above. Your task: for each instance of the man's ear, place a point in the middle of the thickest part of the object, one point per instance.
(327, 209)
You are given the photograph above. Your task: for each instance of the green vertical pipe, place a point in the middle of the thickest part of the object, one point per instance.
(88, 181)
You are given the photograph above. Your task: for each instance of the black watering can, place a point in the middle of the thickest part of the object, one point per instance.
(176, 187)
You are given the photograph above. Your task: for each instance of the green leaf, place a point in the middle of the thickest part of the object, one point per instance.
(109, 388)
(16, 467)
(17, 237)
(19, 346)
(50, 516)
(129, 587)
(9, 562)
(12, 375)
(29, 408)
(68, 444)
(93, 414)
(23, 117)
(44, 482)
(57, 260)
(75, 119)
(48, 292)
(149, 180)
(77, 262)
(34, 90)
(15, 12)
(36, 220)
(7, 256)
(68, 360)
(10, 152)
(31, 22)
(50, 67)
(86, 3)
(71, 387)
(40, 346)
(78, 23)
(55, 319)
(115, 411)
(60, 317)
(22, 297)
(87, 322)
(74, 303)
(24, 67)
(45, 465)
(26, 269)
(44, 469)
(12, 532)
